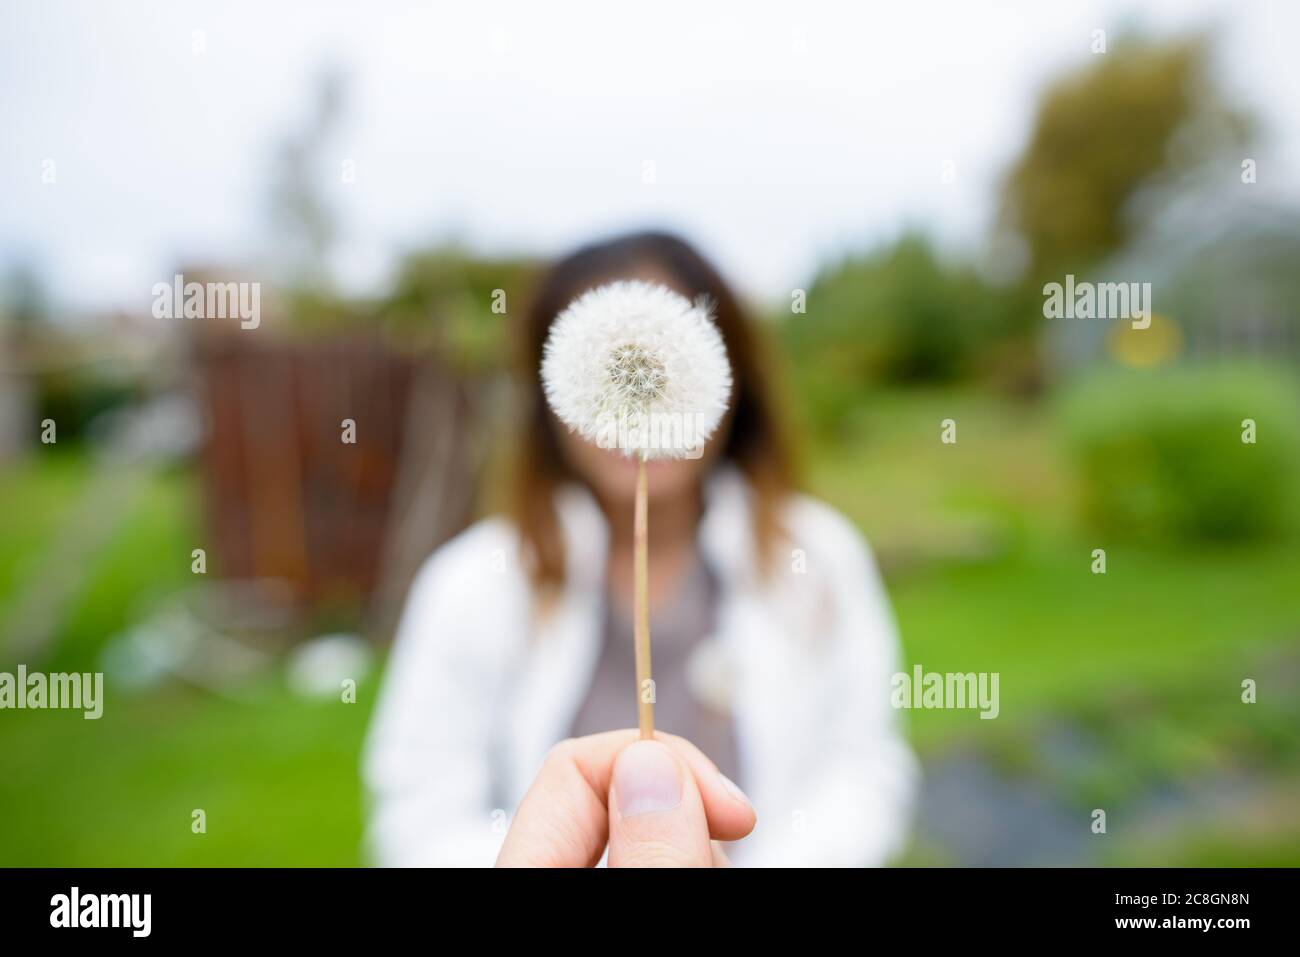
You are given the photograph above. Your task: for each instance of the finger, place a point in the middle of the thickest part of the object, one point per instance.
(730, 814)
(562, 820)
(656, 814)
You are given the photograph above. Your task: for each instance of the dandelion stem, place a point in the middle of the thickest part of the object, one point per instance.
(645, 689)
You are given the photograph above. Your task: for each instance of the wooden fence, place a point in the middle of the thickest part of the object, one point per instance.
(333, 467)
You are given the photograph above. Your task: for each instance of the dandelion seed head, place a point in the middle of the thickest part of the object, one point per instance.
(636, 353)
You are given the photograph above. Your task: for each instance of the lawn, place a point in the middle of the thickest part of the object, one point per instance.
(1002, 577)
(275, 774)
(1139, 669)
(276, 777)
(988, 570)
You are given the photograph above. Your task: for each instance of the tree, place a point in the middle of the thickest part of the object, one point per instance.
(302, 219)
(899, 313)
(1142, 113)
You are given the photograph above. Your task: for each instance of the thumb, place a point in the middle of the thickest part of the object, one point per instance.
(656, 816)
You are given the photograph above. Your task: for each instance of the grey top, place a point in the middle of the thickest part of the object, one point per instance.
(680, 630)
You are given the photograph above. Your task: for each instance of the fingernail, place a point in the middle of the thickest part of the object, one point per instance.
(647, 779)
(734, 790)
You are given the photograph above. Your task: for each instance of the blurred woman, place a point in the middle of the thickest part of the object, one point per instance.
(773, 643)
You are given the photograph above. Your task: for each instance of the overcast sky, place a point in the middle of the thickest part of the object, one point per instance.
(779, 134)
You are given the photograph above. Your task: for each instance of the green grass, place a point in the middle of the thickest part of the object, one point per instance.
(275, 774)
(33, 498)
(146, 558)
(1260, 832)
(1004, 581)
(988, 570)
(276, 778)
(1062, 637)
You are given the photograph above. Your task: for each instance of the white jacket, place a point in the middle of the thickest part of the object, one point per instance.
(478, 688)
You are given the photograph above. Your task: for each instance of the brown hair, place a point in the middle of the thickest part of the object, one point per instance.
(757, 442)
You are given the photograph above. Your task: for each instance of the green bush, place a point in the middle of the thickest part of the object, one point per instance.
(73, 398)
(899, 313)
(1161, 454)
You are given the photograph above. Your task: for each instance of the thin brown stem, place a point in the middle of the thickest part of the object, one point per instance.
(645, 686)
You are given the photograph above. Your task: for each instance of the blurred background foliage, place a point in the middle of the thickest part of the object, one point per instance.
(1161, 454)
(1149, 115)
(446, 300)
(1120, 690)
(474, 295)
(899, 315)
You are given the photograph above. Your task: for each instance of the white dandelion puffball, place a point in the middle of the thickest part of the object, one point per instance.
(637, 367)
